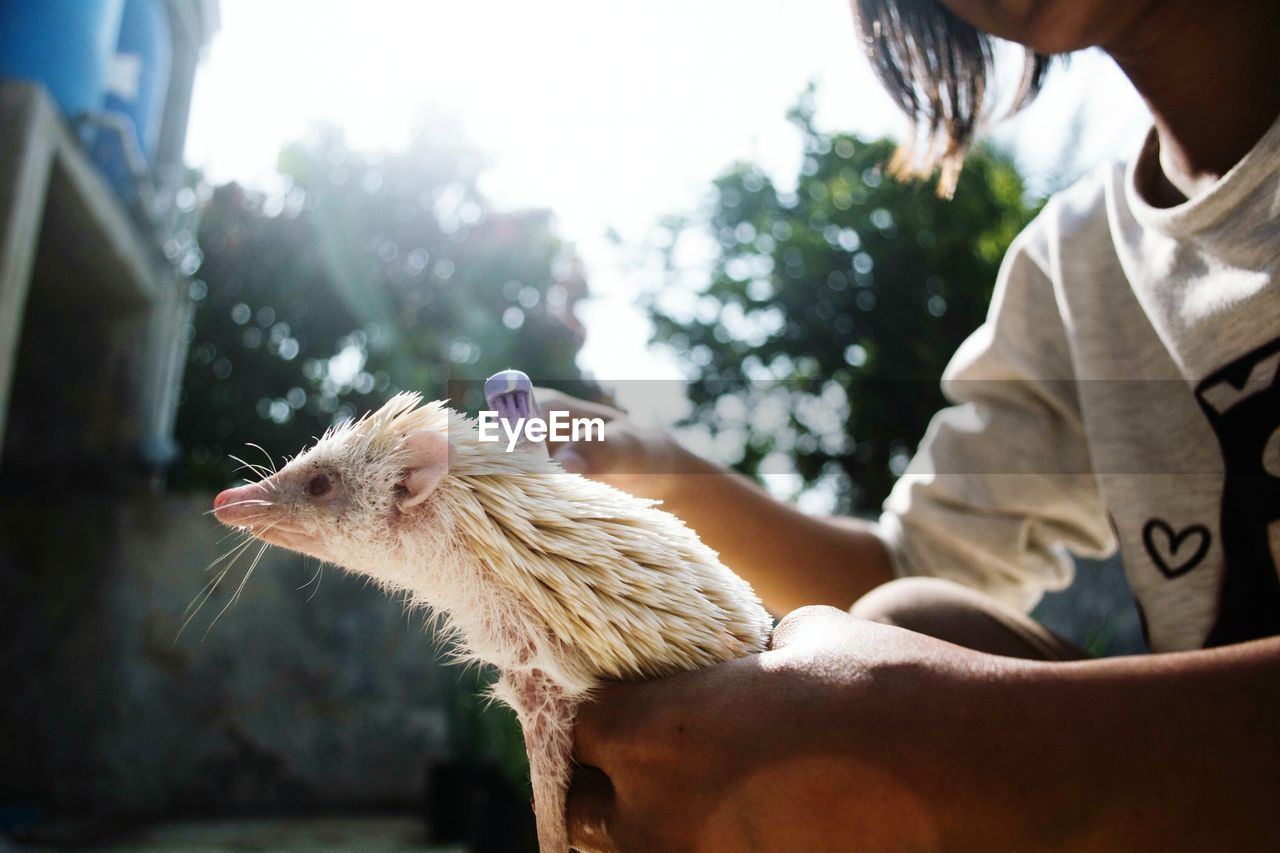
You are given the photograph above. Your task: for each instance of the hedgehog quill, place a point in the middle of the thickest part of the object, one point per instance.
(559, 582)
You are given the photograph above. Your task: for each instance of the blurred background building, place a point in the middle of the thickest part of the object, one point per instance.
(385, 195)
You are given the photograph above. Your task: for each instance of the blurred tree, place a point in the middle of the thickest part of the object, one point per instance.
(832, 309)
(366, 274)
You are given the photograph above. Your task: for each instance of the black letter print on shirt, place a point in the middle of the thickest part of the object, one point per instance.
(1242, 402)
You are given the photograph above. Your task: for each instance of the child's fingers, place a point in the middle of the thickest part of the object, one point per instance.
(589, 809)
(571, 460)
(549, 400)
(592, 457)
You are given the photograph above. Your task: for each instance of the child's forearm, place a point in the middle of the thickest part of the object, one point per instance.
(1172, 751)
(849, 729)
(792, 559)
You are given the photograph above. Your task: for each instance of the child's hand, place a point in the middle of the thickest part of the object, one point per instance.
(642, 462)
(828, 741)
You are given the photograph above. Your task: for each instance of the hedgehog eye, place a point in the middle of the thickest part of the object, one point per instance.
(319, 485)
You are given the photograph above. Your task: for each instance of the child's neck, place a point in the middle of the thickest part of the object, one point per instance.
(1208, 72)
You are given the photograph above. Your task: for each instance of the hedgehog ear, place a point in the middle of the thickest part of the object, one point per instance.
(426, 461)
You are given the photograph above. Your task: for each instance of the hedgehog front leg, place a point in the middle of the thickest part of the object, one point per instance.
(550, 747)
(546, 715)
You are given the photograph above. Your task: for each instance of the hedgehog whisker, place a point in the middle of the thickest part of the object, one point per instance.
(232, 600)
(262, 472)
(236, 596)
(245, 502)
(253, 565)
(270, 461)
(203, 596)
(224, 537)
(242, 531)
(257, 469)
(244, 465)
(248, 521)
(248, 537)
(318, 578)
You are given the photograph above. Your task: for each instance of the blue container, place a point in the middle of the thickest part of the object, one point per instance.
(124, 143)
(64, 44)
(139, 79)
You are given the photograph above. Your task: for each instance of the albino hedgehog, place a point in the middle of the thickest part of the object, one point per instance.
(559, 582)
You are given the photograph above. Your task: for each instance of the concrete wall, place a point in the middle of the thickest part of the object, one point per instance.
(293, 700)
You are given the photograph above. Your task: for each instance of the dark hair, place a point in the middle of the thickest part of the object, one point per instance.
(938, 68)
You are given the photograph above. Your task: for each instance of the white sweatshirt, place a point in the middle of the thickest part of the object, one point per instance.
(1123, 392)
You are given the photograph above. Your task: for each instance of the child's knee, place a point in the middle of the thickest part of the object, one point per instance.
(911, 602)
(957, 614)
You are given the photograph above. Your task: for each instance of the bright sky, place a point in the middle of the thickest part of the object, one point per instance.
(611, 114)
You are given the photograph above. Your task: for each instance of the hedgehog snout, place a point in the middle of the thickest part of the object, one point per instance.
(241, 506)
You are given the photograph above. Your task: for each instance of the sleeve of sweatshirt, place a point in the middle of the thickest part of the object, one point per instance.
(1001, 485)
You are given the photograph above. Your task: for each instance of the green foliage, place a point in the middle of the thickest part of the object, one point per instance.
(486, 730)
(832, 309)
(367, 274)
